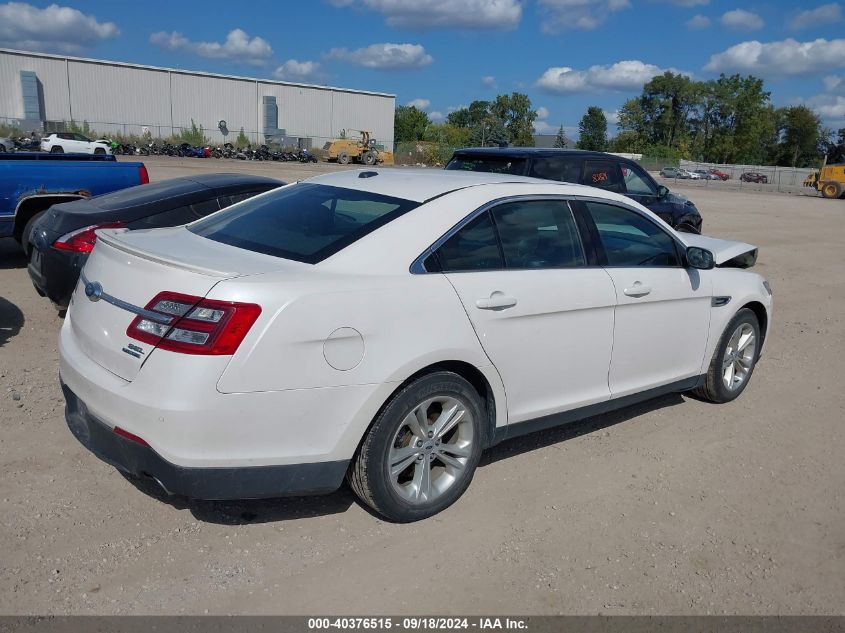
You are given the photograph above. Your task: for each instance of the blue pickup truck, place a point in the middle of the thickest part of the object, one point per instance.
(30, 183)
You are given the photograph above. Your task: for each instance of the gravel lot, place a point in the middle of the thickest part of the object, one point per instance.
(671, 507)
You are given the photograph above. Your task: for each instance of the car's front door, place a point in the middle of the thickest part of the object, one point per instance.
(543, 317)
(663, 309)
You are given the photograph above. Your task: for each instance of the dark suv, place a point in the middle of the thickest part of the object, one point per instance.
(596, 169)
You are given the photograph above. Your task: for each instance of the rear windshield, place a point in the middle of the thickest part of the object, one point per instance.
(304, 222)
(489, 164)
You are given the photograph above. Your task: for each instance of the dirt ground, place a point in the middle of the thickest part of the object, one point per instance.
(671, 507)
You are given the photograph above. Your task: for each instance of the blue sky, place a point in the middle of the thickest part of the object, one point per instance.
(442, 54)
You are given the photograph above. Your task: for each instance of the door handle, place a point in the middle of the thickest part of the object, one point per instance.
(639, 289)
(497, 301)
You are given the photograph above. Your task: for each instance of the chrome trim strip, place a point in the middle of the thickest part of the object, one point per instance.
(124, 305)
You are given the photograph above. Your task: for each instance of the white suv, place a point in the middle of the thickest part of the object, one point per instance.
(71, 142)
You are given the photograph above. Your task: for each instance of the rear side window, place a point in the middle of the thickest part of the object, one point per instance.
(177, 216)
(538, 234)
(604, 174)
(489, 164)
(562, 168)
(305, 222)
(473, 247)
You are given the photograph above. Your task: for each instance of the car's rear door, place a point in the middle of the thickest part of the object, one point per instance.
(544, 318)
(662, 313)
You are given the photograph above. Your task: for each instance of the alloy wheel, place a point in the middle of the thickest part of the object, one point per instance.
(739, 357)
(430, 449)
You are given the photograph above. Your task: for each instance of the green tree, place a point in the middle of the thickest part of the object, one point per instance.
(470, 116)
(242, 140)
(489, 132)
(800, 136)
(593, 130)
(409, 124)
(514, 111)
(561, 142)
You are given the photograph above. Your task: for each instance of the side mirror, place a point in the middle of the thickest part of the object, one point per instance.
(700, 258)
(662, 191)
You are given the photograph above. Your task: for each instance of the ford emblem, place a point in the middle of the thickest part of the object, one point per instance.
(93, 290)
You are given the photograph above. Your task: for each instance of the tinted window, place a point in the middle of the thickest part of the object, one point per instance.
(630, 239)
(489, 164)
(177, 216)
(603, 174)
(473, 247)
(538, 234)
(234, 198)
(563, 168)
(305, 222)
(636, 181)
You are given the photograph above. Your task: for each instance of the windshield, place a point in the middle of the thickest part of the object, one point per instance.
(304, 222)
(489, 164)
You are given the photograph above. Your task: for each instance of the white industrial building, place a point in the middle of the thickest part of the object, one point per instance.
(117, 98)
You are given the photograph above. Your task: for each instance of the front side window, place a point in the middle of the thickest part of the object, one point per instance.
(604, 174)
(636, 181)
(630, 239)
(538, 234)
(488, 164)
(304, 222)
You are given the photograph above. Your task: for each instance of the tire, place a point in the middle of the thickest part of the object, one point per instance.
(369, 158)
(2, 149)
(343, 158)
(715, 387)
(99, 150)
(831, 190)
(27, 232)
(445, 474)
(57, 149)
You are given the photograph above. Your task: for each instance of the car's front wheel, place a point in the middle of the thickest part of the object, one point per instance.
(57, 149)
(734, 360)
(421, 451)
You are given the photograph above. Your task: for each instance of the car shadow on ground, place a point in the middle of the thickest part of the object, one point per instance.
(11, 320)
(11, 255)
(291, 508)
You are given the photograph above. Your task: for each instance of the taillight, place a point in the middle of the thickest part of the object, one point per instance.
(196, 325)
(145, 177)
(83, 240)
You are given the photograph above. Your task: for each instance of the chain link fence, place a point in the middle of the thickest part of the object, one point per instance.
(753, 177)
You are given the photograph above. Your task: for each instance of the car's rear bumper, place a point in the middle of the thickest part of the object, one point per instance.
(54, 273)
(136, 458)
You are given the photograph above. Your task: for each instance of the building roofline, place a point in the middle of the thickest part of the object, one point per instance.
(200, 73)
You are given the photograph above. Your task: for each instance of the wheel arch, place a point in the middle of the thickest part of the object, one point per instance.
(762, 315)
(34, 203)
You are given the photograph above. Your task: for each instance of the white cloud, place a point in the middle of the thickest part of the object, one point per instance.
(488, 81)
(444, 14)
(612, 116)
(384, 56)
(419, 104)
(542, 113)
(831, 108)
(452, 109)
(560, 15)
(624, 75)
(437, 116)
(834, 84)
(238, 47)
(742, 19)
(698, 22)
(294, 70)
(780, 59)
(686, 4)
(544, 127)
(824, 15)
(54, 28)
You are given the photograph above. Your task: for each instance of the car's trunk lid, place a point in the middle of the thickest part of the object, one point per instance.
(127, 269)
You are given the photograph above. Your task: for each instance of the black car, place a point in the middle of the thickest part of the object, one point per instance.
(64, 237)
(596, 169)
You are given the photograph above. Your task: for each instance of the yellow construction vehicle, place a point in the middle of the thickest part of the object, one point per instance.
(829, 180)
(357, 150)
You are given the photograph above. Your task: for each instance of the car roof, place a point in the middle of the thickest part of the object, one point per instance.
(422, 185)
(159, 192)
(525, 152)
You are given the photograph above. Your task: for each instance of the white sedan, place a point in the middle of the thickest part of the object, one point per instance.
(71, 142)
(387, 326)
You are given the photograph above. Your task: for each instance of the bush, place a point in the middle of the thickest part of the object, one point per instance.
(195, 136)
(242, 140)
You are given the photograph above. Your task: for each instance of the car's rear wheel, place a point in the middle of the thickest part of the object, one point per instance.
(99, 150)
(26, 236)
(57, 149)
(421, 451)
(734, 360)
